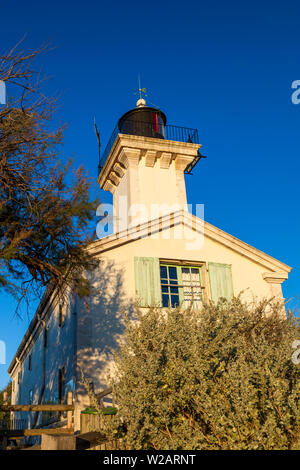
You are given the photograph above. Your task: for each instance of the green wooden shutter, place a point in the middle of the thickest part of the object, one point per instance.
(147, 282)
(220, 281)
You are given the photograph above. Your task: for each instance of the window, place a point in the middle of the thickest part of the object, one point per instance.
(45, 337)
(61, 384)
(157, 125)
(161, 283)
(61, 314)
(29, 361)
(181, 285)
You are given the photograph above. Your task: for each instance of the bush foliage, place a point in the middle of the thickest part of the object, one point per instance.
(221, 378)
(7, 389)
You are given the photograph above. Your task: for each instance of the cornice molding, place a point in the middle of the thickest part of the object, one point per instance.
(210, 231)
(128, 150)
(275, 278)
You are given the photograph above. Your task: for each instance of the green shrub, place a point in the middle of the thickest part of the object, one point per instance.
(107, 410)
(221, 378)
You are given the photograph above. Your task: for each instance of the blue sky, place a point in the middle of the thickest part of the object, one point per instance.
(225, 68)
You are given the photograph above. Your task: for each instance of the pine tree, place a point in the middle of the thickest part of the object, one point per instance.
(45, 207)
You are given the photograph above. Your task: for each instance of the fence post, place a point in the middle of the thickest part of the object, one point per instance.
(69, 413)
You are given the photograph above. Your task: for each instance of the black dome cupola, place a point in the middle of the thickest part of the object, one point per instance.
(144, 121)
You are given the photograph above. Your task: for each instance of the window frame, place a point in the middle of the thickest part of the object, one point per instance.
(179, 264)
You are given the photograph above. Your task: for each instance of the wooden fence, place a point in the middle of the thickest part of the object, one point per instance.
(8, 432)
(94, 425)
(91, 437)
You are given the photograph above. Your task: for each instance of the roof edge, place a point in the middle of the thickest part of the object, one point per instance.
(182, 216)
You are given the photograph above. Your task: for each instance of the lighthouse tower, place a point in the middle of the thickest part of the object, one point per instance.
(144, 163)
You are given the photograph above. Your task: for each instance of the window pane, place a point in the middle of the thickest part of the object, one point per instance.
(163, 272)
(195, 276)
(186, 278)
(172, 272)
(165, 300)
(174, 290)
(164, 289)
(174, 300)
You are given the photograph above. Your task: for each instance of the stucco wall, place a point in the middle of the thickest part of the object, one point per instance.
(58, 353)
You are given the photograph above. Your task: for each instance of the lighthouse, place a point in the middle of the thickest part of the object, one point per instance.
(144, 164)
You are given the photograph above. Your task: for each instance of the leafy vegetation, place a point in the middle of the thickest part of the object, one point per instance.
(221, 378)
(44, 205)
(7, 389)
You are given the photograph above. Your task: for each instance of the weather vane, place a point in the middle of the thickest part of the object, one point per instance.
(140, 91)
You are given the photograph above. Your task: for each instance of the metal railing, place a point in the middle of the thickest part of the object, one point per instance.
(148, 129)
(15, 424)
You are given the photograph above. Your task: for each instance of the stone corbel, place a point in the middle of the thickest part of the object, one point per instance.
(181, 161)
(109, 186)
(119, 170)
(129, 157)
(165, 160)
(114, 177)
(150, 157)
